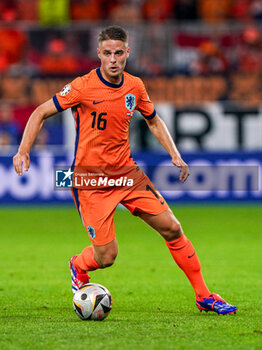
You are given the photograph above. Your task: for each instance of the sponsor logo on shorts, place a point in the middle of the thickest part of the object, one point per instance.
(91, 232)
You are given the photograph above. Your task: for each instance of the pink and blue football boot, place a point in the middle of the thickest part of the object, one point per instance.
(215, 303)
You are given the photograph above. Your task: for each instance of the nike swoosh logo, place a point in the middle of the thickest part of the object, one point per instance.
(96, 102)
(190, 256)
(162, 202)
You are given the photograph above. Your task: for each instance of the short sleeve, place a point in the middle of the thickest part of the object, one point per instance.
(145, 106)
(69, 96)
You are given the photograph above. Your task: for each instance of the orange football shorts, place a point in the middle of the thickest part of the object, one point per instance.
(97, 207)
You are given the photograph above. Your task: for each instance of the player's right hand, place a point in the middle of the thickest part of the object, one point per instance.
(21, 160)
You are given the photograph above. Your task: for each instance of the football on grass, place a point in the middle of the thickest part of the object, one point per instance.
(92, 302)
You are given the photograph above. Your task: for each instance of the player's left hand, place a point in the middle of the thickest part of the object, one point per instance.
(184, 172)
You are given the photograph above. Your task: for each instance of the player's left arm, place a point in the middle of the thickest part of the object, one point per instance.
(159, 129)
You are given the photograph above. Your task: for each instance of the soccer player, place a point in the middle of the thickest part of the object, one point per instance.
(103, 102)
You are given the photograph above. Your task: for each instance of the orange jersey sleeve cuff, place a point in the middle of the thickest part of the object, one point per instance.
(151, 116)
(57, 104)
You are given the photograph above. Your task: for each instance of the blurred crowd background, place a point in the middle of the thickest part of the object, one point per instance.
(187, 51)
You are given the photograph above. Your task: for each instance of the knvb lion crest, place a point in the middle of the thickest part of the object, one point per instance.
(130, 101)
(91, 231)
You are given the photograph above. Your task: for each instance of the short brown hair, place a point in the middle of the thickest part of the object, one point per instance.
(114, 33)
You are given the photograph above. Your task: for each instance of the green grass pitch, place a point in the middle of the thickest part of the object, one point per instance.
(153, 303)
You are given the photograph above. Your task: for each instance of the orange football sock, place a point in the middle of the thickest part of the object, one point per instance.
(86, 260)
(186, 258)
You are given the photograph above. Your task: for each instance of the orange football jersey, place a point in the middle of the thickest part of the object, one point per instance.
(102, 112)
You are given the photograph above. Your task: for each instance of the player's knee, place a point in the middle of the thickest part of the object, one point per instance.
(107, 259)
(173, 232)
(106, 255)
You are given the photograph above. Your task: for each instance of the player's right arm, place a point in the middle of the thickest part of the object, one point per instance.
(33, 126)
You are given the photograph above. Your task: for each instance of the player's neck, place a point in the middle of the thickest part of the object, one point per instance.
(113, 80)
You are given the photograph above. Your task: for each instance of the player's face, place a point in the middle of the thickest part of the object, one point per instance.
(113, 55)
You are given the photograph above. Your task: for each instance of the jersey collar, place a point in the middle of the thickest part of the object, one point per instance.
(98, 72)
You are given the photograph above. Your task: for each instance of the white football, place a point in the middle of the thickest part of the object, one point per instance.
(92, 302)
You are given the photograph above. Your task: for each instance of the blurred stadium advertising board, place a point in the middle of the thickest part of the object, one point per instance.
(219, 177)
(214, 126)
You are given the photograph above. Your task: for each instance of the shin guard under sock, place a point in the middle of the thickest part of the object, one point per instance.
(86, 260)
(186, 258)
